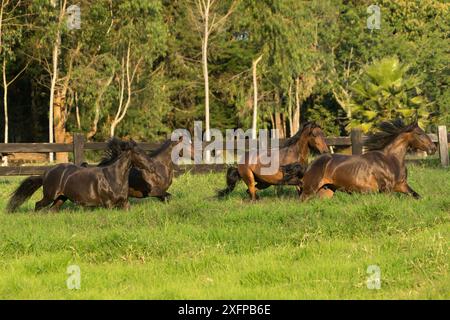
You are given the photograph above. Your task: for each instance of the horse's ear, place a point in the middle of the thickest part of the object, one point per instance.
(133, 143)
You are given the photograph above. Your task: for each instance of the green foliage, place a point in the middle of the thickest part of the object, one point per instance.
(325, 44)
(384, 92)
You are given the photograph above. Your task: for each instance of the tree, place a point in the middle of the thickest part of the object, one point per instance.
(61, 8)
(208, 20)
(139, 43)
(385, 91)
(255, 97)
(127, 78)
(11, 30)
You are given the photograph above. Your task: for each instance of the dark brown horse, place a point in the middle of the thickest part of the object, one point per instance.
(294, 150)
(154, 176)
(381, 169)
(106, 186)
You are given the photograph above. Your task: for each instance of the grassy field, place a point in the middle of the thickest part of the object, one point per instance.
(199, 247)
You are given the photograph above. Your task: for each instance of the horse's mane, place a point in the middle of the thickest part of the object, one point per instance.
(293, 140)
(388, 131)
(166, 144)
(113, 151)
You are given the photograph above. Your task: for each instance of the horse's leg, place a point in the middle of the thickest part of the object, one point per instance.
(315, 186)
(125, 205)
(134, 193)
(262, 185)
(249, 180)
(58, 203)
(314, 178)
(43, 203)
(325, 193)
(278, 190)
(165, 197)
(413, 193)
(299, 189)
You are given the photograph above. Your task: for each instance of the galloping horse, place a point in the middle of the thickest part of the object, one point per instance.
(294, 150)
(382, 168)
(154, 177)
(106, 186)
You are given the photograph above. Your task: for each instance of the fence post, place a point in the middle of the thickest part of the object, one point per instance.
(356, 139)
(78, 148)
(443, 145)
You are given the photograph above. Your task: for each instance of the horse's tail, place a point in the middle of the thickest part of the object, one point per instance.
(232, 178)
(24, 192)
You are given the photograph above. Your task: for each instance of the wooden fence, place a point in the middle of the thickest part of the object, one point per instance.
(79, 146)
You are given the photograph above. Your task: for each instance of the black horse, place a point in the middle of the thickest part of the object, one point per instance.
(96, 186)
(155, 176)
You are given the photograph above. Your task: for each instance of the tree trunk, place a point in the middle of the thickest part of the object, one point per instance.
(122, 109)
(272, 122)
(54, 77)
(278, 125)
(255, 97)
(60, 124)
(94, 126)
(5, 106)
(290, 115)
(206, 75)
(34, 110)
(77, 111)
(296, 116)
(54, 74)
(278, 116)
(61, 108)
(52, 93)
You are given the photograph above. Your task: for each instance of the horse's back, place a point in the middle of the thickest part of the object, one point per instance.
(72, 181)
(317, 168)
(368, 172)
(55, 178)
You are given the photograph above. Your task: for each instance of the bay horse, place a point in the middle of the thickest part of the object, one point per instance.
(294, 150)
(106, 186)
(381, 169)
(155, 175)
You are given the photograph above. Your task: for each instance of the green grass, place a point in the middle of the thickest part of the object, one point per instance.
(199, 247)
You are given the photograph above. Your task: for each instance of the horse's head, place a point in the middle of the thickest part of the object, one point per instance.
(187, 150)
(139, 158)
(316, 138)
(418, 139)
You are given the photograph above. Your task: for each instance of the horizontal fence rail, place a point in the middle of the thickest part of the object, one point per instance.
(79, 146)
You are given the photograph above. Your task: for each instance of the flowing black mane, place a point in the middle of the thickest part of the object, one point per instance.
(166, 144)
(293, 140)
(388, 131)
(113, 151)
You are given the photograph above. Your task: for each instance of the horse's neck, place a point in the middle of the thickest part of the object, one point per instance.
(121, 167)
(303, 150)
(165, 155)
(297, 152)
(397, 149)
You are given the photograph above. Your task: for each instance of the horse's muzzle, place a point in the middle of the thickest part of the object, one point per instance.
(432, 150)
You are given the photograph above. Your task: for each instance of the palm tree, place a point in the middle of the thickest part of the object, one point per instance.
(385, 92)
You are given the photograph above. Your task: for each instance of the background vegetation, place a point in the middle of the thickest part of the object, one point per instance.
(143, 60)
